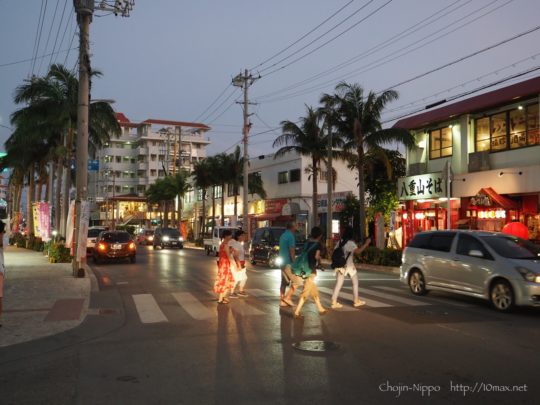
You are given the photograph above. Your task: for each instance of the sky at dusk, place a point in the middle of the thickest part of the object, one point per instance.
(172, 59)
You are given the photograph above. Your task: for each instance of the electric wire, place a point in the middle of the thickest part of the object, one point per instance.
(38, 35)
(207, 117)
(49, 34)
(69, 25)
(58, 30)
(18, 62)
(213, 102)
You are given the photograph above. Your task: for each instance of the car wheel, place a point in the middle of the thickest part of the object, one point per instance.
(417, 283)
(133, 259)
(501, 295)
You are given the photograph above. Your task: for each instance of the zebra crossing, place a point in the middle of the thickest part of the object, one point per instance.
(263, 301)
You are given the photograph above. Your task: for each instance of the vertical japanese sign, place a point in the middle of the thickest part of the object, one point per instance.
(35, 215)
(44, 214)
(424, 186)
(70, 226)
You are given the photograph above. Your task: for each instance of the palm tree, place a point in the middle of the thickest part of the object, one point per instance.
(306, 139)
(223, 163)
(202, 179)
(358, 122)
(180, 186)
(51, 111)
(256, 185)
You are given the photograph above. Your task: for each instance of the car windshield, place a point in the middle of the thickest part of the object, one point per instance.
(172, 233)
(116, 237)
(512, 247)
(94, 233)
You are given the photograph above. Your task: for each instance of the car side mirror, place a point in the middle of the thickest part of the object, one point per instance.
(476, 253)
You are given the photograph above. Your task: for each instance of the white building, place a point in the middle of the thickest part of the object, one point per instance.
(285, 181)
(492, 142)
(129, 164)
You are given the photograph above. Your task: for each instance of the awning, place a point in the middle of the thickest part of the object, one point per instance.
(271, 217)
(496, 198)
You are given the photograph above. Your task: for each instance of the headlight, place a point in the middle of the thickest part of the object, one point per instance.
(278, 261)
(276, 247)
(528, 275)
(181, 238)
(166, 239)
(150, 238)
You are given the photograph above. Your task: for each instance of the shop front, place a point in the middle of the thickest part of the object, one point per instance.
(490, 211)
(423, 206)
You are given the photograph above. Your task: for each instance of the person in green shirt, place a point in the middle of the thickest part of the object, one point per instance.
(287, 246)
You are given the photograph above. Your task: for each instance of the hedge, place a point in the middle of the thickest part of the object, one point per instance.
(384, 257)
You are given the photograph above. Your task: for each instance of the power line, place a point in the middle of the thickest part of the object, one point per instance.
(18, 62)
(35, 50)
(469, 92)
(329, 41)
(422, 24)
(381, 61)
(68, 25)
(303, 36)
(207, 117)
(49, 34)
(213, 102)
(58, 30)
(71, 43)
(223, 112)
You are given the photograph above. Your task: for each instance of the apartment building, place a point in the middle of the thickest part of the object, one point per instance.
(491, 144)
(145, 151)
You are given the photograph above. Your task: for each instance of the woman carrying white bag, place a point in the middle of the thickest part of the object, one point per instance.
(240, 276)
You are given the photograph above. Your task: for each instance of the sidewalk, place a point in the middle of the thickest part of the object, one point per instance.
(40, 298)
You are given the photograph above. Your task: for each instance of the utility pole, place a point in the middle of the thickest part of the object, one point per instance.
(245, 81)
(85, 11)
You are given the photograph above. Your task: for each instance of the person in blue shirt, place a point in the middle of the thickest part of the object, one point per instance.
(287, 246)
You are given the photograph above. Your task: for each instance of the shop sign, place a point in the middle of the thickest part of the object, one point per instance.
(424, 186)
(481, 200)
(274, 206)
(338, 201)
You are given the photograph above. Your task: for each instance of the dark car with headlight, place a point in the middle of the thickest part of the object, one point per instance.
(265, 245)
(500, 268)
(114, 245)
(167, 238)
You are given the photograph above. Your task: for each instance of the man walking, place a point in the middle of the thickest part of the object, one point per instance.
(287, 246)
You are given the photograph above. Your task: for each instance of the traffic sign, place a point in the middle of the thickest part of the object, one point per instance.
(93, 165)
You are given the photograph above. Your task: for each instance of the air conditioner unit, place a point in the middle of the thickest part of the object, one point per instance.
(416, 169)
(479, 161)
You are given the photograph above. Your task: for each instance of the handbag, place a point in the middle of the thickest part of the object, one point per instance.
(300, 267)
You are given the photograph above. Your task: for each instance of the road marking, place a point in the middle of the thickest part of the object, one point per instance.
(441, 300)
(148, 309)
(241, 307)
(392, 297)
(122, 282)
(379, 279)
(261, 293)
(369, 302)
(193, 306)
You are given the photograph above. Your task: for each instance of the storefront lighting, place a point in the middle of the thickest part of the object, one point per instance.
(468, 214)
(405, 215)
(443, 199)
(422, 144)
(520, 107)
(450, 126)
(419, 215)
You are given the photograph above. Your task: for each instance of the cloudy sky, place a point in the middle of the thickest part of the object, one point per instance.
(172, 59)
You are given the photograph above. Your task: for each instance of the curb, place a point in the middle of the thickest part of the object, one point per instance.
(94, 285)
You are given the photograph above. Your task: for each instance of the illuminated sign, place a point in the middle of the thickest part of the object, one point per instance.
(422, 187)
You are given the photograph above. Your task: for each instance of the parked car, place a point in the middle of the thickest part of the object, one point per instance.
(115, 245)
(93, 233)
(265, 246)
(167, 237)
(211, 244)
(145, 237)
(500, 268)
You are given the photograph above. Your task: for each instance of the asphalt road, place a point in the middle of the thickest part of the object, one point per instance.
(157, 336)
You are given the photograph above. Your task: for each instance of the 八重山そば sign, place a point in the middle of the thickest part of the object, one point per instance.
(424, 186)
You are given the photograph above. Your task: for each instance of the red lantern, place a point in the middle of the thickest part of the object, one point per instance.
(516, 229)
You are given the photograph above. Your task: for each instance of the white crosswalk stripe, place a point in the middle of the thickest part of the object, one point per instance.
(261, 293)
(148, 309)
(193, 306)
(369, 302)
(392, 297)
(441, 300)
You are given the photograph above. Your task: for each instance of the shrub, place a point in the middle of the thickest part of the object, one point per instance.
(391, 257)
(58, 253)
(385, 257)
(17, 239)
(37, 245)
(370, 255)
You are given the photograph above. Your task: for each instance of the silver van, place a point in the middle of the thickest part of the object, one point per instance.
(500, 268)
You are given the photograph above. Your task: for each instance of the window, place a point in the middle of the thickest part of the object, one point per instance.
(231, 190)
(441, 241)
(153, 173)
(283, 177)
(161, 173)
(420, 241)
(466, 243)
(440, 143)
(294, 175)
(199, 194)
(153, 158)
(118, 159)
(217, 191)
(512, 129)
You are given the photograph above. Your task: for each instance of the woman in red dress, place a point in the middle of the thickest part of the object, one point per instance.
(226, 265)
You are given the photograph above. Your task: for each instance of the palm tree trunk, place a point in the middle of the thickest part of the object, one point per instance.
(47, 186)
(361, 192)
(179, 214)
(66, 174)
(315, 180)
(58, 193)
(213, 206)
(203, 216)
(165, 214)
(30, 198)
(222, 204)
(235, 204)
(39, 191)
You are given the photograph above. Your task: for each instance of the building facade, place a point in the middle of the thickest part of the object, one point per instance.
(145, 151)
(289, 191)
(483, 154)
